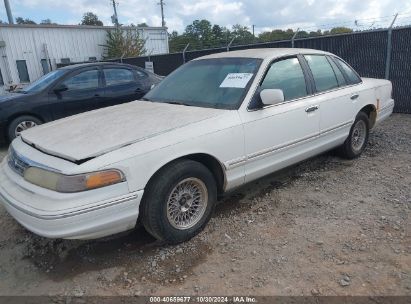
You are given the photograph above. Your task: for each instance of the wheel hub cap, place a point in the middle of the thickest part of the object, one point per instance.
(359, 134)
(187, 203)
(24, 125)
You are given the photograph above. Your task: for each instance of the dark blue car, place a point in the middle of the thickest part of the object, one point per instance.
(72, 90)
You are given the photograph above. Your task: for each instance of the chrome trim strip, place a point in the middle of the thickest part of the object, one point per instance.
(349, 123)
(14, 158)
(236, 162)
(277, 148)
(105, 204)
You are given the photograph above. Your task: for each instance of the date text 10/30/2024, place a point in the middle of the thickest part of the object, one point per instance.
(205, 299)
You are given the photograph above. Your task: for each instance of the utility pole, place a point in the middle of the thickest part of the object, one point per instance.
(114, 18)
(8, 10)
(253, 33)
(163, 23)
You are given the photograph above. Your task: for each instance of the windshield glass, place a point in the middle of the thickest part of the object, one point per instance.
(42, 82)
(214, 83)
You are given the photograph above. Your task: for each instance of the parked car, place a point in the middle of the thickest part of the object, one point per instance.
(212, 125)
(72, 90)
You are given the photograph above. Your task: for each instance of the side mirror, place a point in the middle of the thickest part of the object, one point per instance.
(271, 96)
(60, 88)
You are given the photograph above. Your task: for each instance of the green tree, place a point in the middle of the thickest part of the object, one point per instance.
(276, 35)
(340, 30)
(241, 34)
(124, 43)
(90, 18)
(47, 21)
(142, 24)
(200, 34)
(177, 42)
(20, 20)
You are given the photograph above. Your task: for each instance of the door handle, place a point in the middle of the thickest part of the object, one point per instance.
(312, 109)
(96, 95)
(354, 96)
(139, 90)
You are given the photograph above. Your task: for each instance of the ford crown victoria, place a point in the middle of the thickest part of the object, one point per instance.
(212, 125)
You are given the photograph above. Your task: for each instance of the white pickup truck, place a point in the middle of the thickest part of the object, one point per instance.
(212, 125)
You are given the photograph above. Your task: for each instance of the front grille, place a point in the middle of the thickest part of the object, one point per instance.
(17, 163)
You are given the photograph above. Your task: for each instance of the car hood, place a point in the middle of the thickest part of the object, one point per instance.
(88, 135)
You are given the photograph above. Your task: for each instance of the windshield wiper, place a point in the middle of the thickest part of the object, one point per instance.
(177, 103)
(145, 99)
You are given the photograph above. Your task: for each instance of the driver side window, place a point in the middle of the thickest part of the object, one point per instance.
(83, 80)
(288, 76)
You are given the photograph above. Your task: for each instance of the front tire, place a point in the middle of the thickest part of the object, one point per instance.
(357, 140)
(179, 201)
(20, 124)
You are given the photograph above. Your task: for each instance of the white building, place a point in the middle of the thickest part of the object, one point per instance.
(29, 51)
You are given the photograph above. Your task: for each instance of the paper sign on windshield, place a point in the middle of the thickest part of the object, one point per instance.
(236, 80)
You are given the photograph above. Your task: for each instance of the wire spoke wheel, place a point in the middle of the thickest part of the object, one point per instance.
(359, 134)
(24, 125)
(187, 203)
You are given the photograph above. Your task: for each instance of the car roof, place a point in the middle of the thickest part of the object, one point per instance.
(91, 64)
(264, 53)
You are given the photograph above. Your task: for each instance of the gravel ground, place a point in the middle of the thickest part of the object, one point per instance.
(327, 226)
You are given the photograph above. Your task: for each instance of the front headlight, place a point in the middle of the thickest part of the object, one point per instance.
(72, 183)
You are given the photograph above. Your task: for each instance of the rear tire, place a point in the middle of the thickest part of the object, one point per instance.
(20, 124)
(357, 140)
(179, 201)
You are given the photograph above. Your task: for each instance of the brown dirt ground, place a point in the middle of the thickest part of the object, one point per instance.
(327, 226)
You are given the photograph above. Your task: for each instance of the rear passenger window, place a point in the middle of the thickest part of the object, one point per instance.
(288, 76)
(322, 71)
(118, 76)
(352, 76)
(338, 73)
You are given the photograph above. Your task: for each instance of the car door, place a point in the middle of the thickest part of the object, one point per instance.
(336, 96)
(121, 85)
(281, 134)
(77, 93)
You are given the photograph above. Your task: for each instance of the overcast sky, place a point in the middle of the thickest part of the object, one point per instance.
(265, 14)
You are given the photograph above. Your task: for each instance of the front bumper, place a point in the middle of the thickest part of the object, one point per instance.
(92, 220)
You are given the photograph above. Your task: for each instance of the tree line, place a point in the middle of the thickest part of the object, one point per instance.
(202, 34)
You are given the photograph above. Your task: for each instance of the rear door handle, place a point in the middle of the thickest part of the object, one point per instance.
(354, 96)
(312, 109)
(139, 90)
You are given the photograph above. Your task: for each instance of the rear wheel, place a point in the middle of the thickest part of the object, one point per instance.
(20, 124)
(179, 201)
(357, 140)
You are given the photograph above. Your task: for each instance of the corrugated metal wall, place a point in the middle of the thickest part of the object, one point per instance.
(78, 43)
(365, 51)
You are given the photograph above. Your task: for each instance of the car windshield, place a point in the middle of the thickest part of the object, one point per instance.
(214, 83)
(42, 82)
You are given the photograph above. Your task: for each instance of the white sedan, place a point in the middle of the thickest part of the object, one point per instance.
(214, 124)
